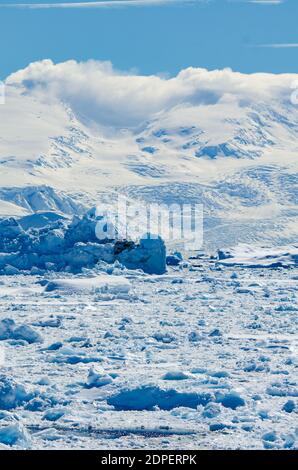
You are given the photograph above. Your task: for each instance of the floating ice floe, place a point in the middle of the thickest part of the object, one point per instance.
(254, 257)
(96, 379)
(9, 330)
(72, 356)
(148, 397)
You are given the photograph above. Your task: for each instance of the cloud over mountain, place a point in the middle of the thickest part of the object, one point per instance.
(97, 92)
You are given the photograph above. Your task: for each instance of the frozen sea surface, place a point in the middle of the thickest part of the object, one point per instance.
(203, 357)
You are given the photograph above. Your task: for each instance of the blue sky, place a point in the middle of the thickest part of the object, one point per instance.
(248, 36)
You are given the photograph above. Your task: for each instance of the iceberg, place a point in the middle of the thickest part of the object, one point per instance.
(51, 242)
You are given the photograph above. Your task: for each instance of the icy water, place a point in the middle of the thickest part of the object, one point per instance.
(204, 357)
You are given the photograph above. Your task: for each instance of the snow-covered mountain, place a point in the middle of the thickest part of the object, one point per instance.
(72, 135)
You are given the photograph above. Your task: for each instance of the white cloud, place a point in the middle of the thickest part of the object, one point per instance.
(124, 3)
(97, 92)
(267, 2)
(98, 4)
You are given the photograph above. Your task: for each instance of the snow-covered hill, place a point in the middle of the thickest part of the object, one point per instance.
(71, 134)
